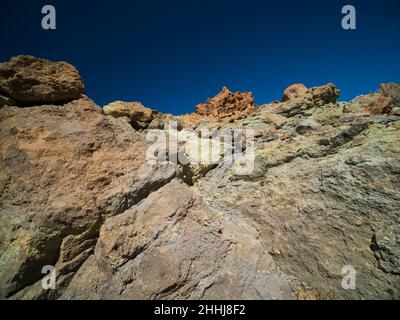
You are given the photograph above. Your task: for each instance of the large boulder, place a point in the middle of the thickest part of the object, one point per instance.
(29, 80)
(140, 116)
(173, 246)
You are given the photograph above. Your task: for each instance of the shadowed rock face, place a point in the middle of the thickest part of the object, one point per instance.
(77, 192)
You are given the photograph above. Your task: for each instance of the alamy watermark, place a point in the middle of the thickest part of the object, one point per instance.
(49, 281)
(349, 277)
(349, 21)
(204, 147)
(49, 20)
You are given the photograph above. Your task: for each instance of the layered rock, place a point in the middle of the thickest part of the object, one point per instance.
(302, 100)
(323, 196)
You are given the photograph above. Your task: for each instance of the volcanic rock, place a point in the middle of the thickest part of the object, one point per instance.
(314, 191)
(30, 80)
(227, 104)
(140, 116)
(375, 103)
(172, 246)
(63, 170)
(294, 91)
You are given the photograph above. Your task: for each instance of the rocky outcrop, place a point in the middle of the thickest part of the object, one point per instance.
(138, 115)
(391, 90)
(64, 169)
(172, 246)
(375, 103)
(323, 196)
(227, 104)
(304, 100)
(84, 190)
(295, 91)
(29, 80)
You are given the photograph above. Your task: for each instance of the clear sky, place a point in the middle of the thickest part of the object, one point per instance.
(171, 55)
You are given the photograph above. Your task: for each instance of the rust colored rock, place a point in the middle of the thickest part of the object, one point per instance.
(391, 90)
(227, 104)
(30, 80)
(375, 103)
(325, 94)
(294, 91)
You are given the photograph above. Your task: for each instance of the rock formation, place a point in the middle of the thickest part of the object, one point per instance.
(227, 104)
(78, 191)
(28, 80)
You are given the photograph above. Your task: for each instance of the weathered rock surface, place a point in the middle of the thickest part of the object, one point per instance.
(324, 200)
(64, 169)
(172, 246)
(391, 90)
(139, 115)
(78, 191)
(295, 91)
(375, 103)
(30, 80)
(227, 104)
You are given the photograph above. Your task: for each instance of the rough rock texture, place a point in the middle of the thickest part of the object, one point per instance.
(139, 115)
(375, 103)
(226, 104)
(324, 199)
(30, 80)
(88, 192)
(63, 170)
(295, 91)
(172, 246)
(299, 104)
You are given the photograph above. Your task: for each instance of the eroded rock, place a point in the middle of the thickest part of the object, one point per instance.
(172, 246)
(29, 80)
(295, 91)
(227, 104)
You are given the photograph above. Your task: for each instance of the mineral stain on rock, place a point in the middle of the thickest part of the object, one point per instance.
(77, 192)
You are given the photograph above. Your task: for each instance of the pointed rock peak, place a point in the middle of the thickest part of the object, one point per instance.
(226, 104)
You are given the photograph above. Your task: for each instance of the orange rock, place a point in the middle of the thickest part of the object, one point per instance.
(226, 104)
(375, 103)
(294, 91)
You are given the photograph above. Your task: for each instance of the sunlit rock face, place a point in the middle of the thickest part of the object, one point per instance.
(79, 192)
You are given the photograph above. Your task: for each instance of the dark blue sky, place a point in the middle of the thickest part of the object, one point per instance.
(171, 55)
